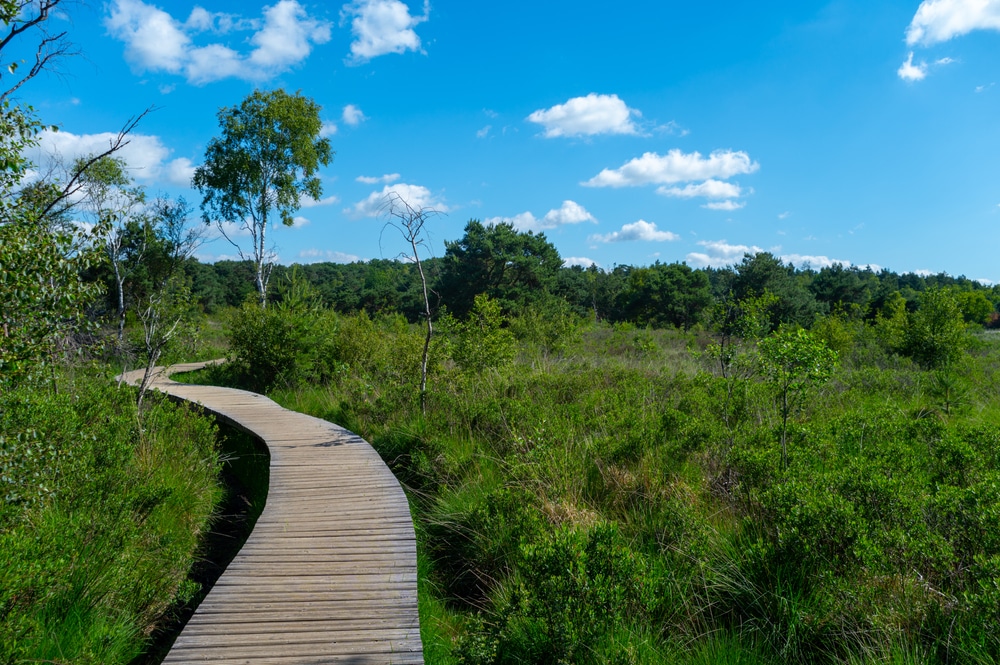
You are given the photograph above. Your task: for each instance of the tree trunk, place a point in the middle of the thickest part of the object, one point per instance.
(430, 329)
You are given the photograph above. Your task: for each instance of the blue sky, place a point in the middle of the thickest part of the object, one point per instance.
(630, 132)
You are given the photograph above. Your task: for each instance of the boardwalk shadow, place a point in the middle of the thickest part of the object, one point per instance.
(244, 475)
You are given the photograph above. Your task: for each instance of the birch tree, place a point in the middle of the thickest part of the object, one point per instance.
(265, 160)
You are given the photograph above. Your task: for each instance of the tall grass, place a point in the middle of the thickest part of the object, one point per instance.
(101, 519)
(609, 499)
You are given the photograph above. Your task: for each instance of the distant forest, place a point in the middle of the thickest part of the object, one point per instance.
(524, 270)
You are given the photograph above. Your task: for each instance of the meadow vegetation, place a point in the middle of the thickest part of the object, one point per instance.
(746, 491)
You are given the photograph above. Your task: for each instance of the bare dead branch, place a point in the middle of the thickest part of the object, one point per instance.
(74, 184)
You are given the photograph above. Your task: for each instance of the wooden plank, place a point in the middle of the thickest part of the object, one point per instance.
(329, 573)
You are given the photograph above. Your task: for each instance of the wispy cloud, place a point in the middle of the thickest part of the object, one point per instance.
(373, 180)
(317, 255)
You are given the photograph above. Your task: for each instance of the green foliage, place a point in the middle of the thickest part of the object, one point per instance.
(665, 295)
(792, 361)
(267, 346)
(482, 342)
(100, 519)
(266, 159)
(936, 334)
(512, 267)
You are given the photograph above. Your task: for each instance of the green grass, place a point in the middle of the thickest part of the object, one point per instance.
(615, 501)
(103, 513)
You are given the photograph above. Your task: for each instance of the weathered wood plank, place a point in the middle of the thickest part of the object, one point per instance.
(329, 573)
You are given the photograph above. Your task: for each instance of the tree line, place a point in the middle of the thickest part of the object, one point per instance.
(523, 270)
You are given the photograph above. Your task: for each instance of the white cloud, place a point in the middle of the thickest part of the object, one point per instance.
(380, 27)
(317, 255)
(911, 72)
(674, 167)
(720, 253)
(415, 195)
(155, 41)
(298, 222)
(587, 116)
(286, 38)
(146, 156)
(328, 129)
(581, 261)
(923, 272)
(724, 205)
(570, 212)
(711, 189)
(940, 20)
(306, 201)
(484, 132)
(784, 215)
(353, 116)
(202, 20)
(814, 262)
(371, 180)
(640, 230)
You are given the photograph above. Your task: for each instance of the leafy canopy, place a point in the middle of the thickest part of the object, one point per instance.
(267, 156)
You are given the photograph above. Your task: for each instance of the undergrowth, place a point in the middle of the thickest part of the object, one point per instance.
(606, 495)
(102, 511)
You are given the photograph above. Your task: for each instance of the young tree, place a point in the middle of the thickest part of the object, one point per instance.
(265, 160)
(115, 205)
(793, 360)
(409, 221)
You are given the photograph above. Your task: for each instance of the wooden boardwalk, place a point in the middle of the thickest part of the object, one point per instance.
(329, 573)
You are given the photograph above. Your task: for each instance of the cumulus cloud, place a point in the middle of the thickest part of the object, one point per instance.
(570, 212)
(912, 72)
(710, 189)
(581, 261)
(720, 253)
(587, 116)
(155, 41)
(416, 196)
(328, 129)
(353, 115)
(371, 180)
(380, 27)
(317, 255)
(641, 230)
(938, 21)
(675, 167)
(147, 157)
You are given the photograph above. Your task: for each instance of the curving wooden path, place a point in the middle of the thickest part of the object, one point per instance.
(329, 573)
